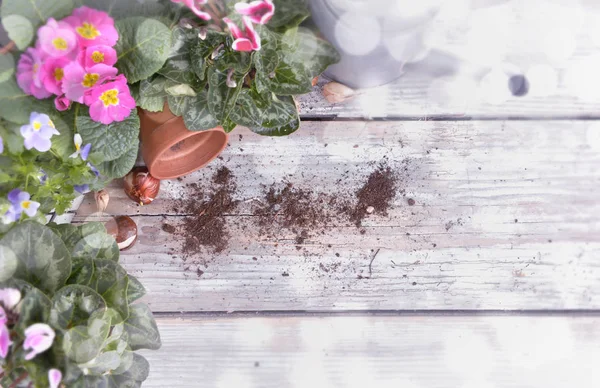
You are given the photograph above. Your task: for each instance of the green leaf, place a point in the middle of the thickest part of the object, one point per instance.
(109, 142)
(8, 263)
(16, 106)
(21, 18)
(143, 47)
(138, 372)
(119, 167)
(288, 14)
(97, 246)
(73, 305)
(175, 89)
(178, 66)
(178, 104)
(83, 343)
(314, 53)
(34, 308)
(227, 58)
(91, 382)
(152, 94)
(65, 124)
(73, 234)
(135, 290)
(228, 125)
(44, 261)
(278, 118)
(221, 98)
(7, 67)
(105, 362)
(141, 327)
(202, 51)
(197, 116)
(13, 141)
(288, 78)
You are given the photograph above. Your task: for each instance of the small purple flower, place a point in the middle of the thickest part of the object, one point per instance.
(94, 169)
(21, 202)
(84, 152)
(1, 145)
(43, 177)
(82, 189)
(259, 12)
(54, 378)
(39, 131)
(5, 341)
(38, 338)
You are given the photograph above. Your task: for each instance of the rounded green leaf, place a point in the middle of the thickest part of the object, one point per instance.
(119, 167)
(7, 67)
(73, 305)
(197, 116)
(16, 106)
(19, 29)
(221, 98)
(141, 328)
(143, 47)
(34, 308)
(135, 290)
(8, 263)
(43, 259)
(109, 142)
(99, 245)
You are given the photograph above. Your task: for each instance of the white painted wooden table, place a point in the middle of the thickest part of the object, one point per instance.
(492, 278)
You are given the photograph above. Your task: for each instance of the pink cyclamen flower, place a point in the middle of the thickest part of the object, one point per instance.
(93, 27)
(247, 40)
(95, 55)
(53, 73)
(38, 339)
(28, 73)
(57, 39)
(194, 5)
(10, 298)
(78, 82)
(111, 102)
(259, 12)
(54, 378)
(62, 103)
(5, 341)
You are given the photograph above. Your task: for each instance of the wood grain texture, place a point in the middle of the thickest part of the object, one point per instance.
(346, 352)
(507, 216)
(471, 37)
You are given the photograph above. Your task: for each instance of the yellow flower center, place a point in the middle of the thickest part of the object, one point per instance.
(90, 80)
(37, 125)
(88, 31)
(97, 57)
(59, 74)
(35, 68)
(110, 97)
(77, 146)
(60, 44)
(25, 204)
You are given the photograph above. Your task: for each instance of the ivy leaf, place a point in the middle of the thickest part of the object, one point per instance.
(288, 78)
(143, 47)
(221, 98)
(105, 362)
(7, 67)
(73, 305)
(135, 290)
(43, 259)
(279, 118)
(35, 12)
(288, 14)
(119, 167)
(137, 372)
(141, 328)
(152, 94)
(109, 142)
(16, 106)
(97, 246)
(228, 58)
(83, 343)
(71, 234)
(314, 53)
(175, 89)
(197, 116)
(228, 125)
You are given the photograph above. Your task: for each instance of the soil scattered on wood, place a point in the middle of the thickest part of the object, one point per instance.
(376, 194)
(205, 227)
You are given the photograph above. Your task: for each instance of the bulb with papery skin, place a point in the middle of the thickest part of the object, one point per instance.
(124, 230)
(140, 186)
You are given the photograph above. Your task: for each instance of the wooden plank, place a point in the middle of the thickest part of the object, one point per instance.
(346, 352)
(471, 37)
(506, 216)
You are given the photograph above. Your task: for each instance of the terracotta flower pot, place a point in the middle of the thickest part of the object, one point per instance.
(170, 150)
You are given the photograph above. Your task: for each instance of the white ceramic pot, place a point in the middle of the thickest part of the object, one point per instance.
(376, 38)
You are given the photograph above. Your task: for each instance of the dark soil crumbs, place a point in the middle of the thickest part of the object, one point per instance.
(169, 228)
(378, 192)
(205, 227)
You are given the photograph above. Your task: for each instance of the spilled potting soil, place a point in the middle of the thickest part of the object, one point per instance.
(282, 209)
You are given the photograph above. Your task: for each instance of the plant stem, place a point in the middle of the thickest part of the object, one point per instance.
(7, 48)
(18, 380)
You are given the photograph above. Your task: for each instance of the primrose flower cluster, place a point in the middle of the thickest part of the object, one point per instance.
(256, 12)
(39, 337)
(74, 60)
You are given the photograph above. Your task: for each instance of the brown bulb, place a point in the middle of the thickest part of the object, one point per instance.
(140, 186)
